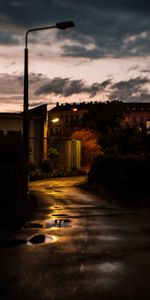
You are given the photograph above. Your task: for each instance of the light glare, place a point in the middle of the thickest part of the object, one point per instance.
(55, 120)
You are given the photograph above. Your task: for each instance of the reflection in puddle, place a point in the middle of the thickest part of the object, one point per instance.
(107, 268)
(60, 215)
(33, 225)
(56, 207)
(110, 267)
(58, 223)
(51, 223)
(109, 238)
(35, 239)
(41, 239)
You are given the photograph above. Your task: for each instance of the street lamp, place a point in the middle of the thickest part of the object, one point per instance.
(61, 26)
(57, 121)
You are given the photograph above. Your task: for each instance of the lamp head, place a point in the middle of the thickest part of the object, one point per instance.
(55, 120)
(65, 25)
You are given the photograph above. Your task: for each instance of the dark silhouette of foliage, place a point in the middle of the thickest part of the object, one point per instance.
(125, 176)
(89, 145)
(106, 119)
(102, 116)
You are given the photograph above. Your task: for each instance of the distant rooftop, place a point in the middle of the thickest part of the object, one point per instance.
(129, 106)
(40, 110)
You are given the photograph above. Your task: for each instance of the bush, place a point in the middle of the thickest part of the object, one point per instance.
(123, 175)
(33, 166)
(46, 166)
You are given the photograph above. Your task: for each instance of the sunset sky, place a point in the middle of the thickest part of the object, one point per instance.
(105, 57)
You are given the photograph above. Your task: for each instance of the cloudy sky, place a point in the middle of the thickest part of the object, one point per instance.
(105, 57)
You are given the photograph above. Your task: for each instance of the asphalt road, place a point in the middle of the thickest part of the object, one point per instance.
(78, 246)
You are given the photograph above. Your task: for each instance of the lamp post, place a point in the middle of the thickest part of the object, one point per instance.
(61, 26)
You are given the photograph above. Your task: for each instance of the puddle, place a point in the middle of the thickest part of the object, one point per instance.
(35, 239)
(40, 239)
(60, 223)
(51, 223)
(109, 238)
(60, 215)
(57, 223)
(56, 207)
(108, 267)
(105, 268)
(33, 225)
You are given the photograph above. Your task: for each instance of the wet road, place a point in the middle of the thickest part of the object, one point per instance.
(77, 247)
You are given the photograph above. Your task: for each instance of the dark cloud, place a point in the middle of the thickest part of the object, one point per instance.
(133, 68)
(131, 84)
(10, 83)
(131, 90)
(145, 71)
(7, 38)
(66, 87)
(45, 90)
(104, 28)
(82, 51)
(13, 84)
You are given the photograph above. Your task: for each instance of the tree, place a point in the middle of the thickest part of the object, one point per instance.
(103, 116)
(105, 119)
(89, 145)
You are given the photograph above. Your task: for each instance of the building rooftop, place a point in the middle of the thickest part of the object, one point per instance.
(36, 111)
(128, 106)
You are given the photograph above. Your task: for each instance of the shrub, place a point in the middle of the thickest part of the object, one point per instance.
(46, 166)
(125, 175)
(33, 166)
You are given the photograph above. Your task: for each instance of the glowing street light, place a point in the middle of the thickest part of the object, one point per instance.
(61, 26)
(56, 120)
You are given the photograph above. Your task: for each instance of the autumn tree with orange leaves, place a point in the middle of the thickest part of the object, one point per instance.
(89, 146)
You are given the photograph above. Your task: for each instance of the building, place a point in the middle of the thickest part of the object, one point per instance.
(137, 114)
(65, 118)
(64, 154)
(11, 125)
(50, 132)
(62, 120)
(38, 133)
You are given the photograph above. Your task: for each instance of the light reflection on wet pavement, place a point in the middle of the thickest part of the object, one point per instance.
(78, 246)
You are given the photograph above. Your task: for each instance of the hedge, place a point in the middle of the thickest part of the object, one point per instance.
(126, 175)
